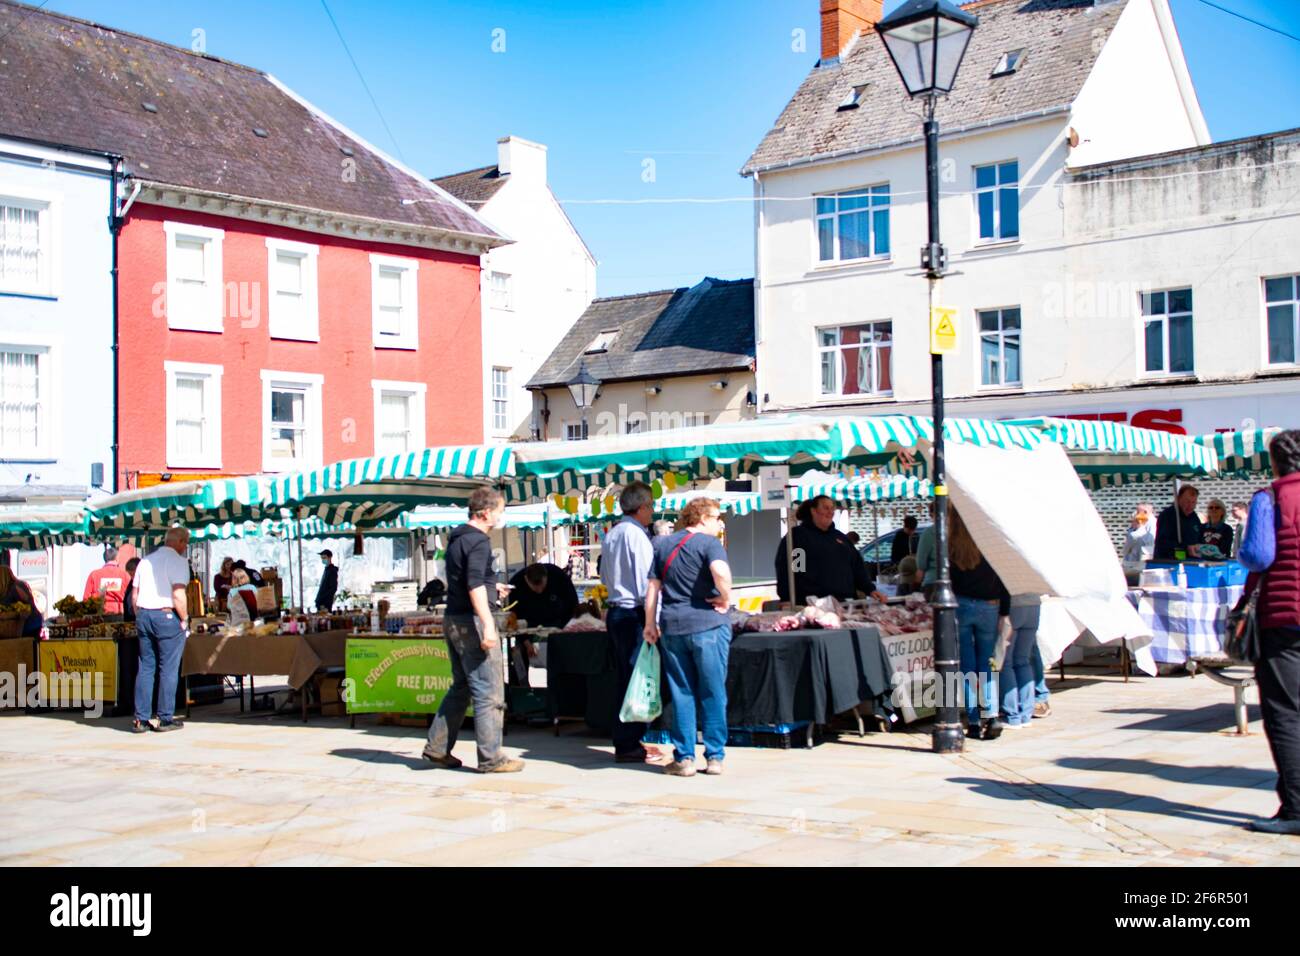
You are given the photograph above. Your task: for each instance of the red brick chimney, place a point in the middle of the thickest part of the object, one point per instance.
(843, 18)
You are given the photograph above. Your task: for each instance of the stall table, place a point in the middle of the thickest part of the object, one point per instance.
(1185, 622)
(299, 656)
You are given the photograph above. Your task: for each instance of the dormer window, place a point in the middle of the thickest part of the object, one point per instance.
(854, 98)
(1010, 62)
(602, 342)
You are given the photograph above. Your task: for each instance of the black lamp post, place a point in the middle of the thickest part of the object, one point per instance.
(927, 40)
(583, 388)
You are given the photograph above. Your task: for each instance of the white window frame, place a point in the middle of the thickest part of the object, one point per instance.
(415, 393)
(504, 399)
(1294, 302)
(313, 424)
(1002, 334)
(212, 314)
(1163, 371)
(47, 206)
(409, 338)
(976, 191)
(504, 298)
(573, 431)
(278, 324)
(820, 350)
(211, 374)
(870, 209)
(47, 447)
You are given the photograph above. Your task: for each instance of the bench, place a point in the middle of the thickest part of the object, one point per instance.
(1231, 673)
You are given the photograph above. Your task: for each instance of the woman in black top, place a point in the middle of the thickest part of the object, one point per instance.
(1216, 531)
(982, 600)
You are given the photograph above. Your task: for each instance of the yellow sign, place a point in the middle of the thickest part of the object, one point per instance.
(73, 665)
(943, 330)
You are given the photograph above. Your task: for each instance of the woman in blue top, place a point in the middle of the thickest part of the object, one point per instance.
(687, 598)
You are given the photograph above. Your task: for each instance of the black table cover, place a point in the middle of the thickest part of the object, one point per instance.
(791, 676)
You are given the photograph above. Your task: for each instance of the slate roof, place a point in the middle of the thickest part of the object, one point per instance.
(474, 187)
(706, 328)
(73, 82)
(1061, 39)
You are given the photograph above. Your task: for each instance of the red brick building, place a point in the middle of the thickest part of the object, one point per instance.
(287, 294)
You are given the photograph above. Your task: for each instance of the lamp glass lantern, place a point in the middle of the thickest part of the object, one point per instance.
(583, 387)
(927, 41)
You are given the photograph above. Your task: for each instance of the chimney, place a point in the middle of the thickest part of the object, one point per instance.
(843, 18)
(521, 159)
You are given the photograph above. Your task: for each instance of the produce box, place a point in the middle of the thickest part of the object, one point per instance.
(331, 697)
(1206, 574)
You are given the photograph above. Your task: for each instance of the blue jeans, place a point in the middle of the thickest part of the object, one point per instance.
(1017, 679)
(977, 632)
(696, 667)
(161, 644)
(1041, 692)
(626, 627)
(476, 675)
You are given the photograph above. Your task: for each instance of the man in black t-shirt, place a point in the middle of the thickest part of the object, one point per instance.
(473, 643)
(544, 597)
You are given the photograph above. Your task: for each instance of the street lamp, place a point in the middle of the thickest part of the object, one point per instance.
(927, 41)
(583, 388)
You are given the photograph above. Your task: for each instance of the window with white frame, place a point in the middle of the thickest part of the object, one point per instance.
(634, 425)
(292, 297)
(999, 346)
(193, 415)
(499, 290)
(26, 246)
(997, 201)
(195, 292)
(574, 431)
(399, 417)
(396, 311)
(853, 225)
(500, 399)
(291, 419)
(1167, 332)
(857, 359)
(1282, 300)
(25, 397)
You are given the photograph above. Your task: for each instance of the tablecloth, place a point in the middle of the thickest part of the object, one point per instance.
(296, 655)
(1185, 623)
(792, 676)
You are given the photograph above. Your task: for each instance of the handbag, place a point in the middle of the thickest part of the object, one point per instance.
(1241, 628)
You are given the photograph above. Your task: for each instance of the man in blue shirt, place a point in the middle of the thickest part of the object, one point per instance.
(626, 557)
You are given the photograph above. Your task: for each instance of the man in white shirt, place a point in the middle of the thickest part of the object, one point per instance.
(626, 557)
(162, 620)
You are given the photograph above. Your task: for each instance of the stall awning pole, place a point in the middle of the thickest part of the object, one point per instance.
(302, 600)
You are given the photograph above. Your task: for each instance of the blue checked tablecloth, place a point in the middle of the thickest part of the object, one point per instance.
(1185, 623)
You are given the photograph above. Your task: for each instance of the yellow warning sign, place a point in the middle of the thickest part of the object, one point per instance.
(943, 330)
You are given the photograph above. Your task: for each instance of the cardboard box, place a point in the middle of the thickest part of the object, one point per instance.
(331, 697)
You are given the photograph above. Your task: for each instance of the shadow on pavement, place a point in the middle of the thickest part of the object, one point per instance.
(1098, 798)
(383, 756)
(1210, 717)
(1237, 777)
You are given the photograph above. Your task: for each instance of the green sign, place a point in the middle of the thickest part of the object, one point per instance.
(396, 675)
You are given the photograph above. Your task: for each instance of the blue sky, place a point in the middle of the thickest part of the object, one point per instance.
(607, 85)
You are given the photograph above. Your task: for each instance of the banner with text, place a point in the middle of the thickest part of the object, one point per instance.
(396, 675)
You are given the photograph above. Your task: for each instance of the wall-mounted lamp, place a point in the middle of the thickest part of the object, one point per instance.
(719, 385)
(751, 400)
(653, 390)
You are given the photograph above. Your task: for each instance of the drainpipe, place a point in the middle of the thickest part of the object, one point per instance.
(115, 227)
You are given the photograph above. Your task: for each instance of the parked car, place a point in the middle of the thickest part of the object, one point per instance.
(877, 552)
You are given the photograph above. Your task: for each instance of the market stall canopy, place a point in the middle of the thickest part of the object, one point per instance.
(736, 502)
(862, 490)
(1110, 453)
(189, 503)
(31, 529)
(804, 442)
(517, 516)
(1242, 453)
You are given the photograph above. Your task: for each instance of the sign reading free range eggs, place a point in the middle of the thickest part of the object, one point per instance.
(396, 675)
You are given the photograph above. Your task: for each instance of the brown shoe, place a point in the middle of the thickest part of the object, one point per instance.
(680, 768)
(1042, 709)
(714, 768)
(446, 760)
(508, 765)
(632, 756)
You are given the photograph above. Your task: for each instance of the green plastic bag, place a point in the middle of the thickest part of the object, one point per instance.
(641, 703)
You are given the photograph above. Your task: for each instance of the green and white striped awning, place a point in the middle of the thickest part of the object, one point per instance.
(858, 490)
(188, 503)
(1113, 449)
(34, 528)
(1243, 452)
(738, 503)
(517, 516)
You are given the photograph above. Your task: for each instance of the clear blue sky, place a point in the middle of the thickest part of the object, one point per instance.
(691, 84)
